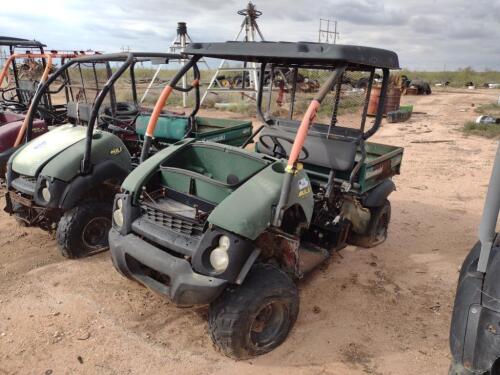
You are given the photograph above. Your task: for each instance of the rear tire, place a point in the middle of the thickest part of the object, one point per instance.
(377, 228)
(254, 318)
(83, 230)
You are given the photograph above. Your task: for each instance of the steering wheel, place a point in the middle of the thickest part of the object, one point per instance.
(278, 150)
(122, 109)
(125, 115)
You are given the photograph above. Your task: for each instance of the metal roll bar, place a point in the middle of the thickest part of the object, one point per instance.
(47, 58)
(165, 94)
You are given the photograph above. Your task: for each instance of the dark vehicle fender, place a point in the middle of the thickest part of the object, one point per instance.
(80, 186)
(4, 157)
(475, 324)
(377, 196)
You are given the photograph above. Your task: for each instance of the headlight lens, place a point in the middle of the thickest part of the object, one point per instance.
(118, 213)
(46, 192)
(219, 259)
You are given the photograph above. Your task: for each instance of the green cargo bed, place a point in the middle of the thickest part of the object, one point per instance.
(381, 162)
(171, 129)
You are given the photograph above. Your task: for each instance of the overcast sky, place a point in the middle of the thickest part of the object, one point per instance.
(426, 34)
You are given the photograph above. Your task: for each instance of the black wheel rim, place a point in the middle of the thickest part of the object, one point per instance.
(95, 233)
(268, 325)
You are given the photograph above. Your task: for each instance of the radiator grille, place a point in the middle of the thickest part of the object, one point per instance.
(25, 184)
(174, 222)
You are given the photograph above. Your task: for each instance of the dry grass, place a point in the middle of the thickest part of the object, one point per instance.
(482, 130)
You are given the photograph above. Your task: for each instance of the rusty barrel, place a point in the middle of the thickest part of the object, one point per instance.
(392, 100)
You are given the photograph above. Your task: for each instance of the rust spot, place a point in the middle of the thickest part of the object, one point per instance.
(281, 247)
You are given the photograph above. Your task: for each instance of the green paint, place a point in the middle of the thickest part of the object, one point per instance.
(35, 154)
(66, 165)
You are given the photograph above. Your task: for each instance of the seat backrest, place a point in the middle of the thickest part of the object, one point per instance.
(325, 152)
(26, 90)
(80, 112)
(168, 126)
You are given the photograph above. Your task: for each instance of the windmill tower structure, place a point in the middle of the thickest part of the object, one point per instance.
(248, 32)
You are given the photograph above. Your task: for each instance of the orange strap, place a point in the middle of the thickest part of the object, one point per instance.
(300, 138)
(150, 130)
(162, 100)
(45, 75)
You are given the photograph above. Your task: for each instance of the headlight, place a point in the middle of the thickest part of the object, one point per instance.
(118, 213)
(46, 192)
(219, 258)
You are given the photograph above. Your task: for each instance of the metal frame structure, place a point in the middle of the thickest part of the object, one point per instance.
(325, 34)
(487, 228)
(15, 43)
(129, 60)
(251, 29)
(181, 41)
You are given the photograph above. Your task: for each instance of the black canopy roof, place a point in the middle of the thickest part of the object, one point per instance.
(122, 56)
(19, 42)
(302, 53)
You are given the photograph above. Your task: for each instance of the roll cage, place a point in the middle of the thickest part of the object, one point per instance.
(128, 63)
(337, 59)
(19, 45)
(278, 55)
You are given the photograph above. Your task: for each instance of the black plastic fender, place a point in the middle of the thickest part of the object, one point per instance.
(4, 157)
(9, 173)
(379, 194)
(239, 253)
(107, 170)
(475, 325)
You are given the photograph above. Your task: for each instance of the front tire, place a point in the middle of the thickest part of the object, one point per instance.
(83, 230)
(254, 318)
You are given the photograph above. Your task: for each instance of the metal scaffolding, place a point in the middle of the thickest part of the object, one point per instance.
(182, 39)
(325, 33)
(250, 30)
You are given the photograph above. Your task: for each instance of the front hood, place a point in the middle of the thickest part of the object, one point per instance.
(38, 152)
(249, 210)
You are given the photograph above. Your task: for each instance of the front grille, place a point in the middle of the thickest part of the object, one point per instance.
(25, 184)
(176, 223)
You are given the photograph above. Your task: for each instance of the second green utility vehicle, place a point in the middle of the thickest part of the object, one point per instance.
(206, 223)
(66, 178)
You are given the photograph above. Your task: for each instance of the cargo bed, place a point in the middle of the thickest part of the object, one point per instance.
(173, 128)
(381, 162)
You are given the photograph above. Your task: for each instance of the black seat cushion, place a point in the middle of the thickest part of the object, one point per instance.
(328, 153)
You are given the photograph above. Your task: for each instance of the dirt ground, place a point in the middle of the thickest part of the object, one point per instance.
(380, 311)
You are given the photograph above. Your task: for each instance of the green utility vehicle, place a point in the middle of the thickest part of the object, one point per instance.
(66, 178)
(206, 223)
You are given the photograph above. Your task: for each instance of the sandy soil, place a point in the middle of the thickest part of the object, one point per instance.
(380, 311)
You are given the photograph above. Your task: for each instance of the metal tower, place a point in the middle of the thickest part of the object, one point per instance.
(182, 39)
(250, 30)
